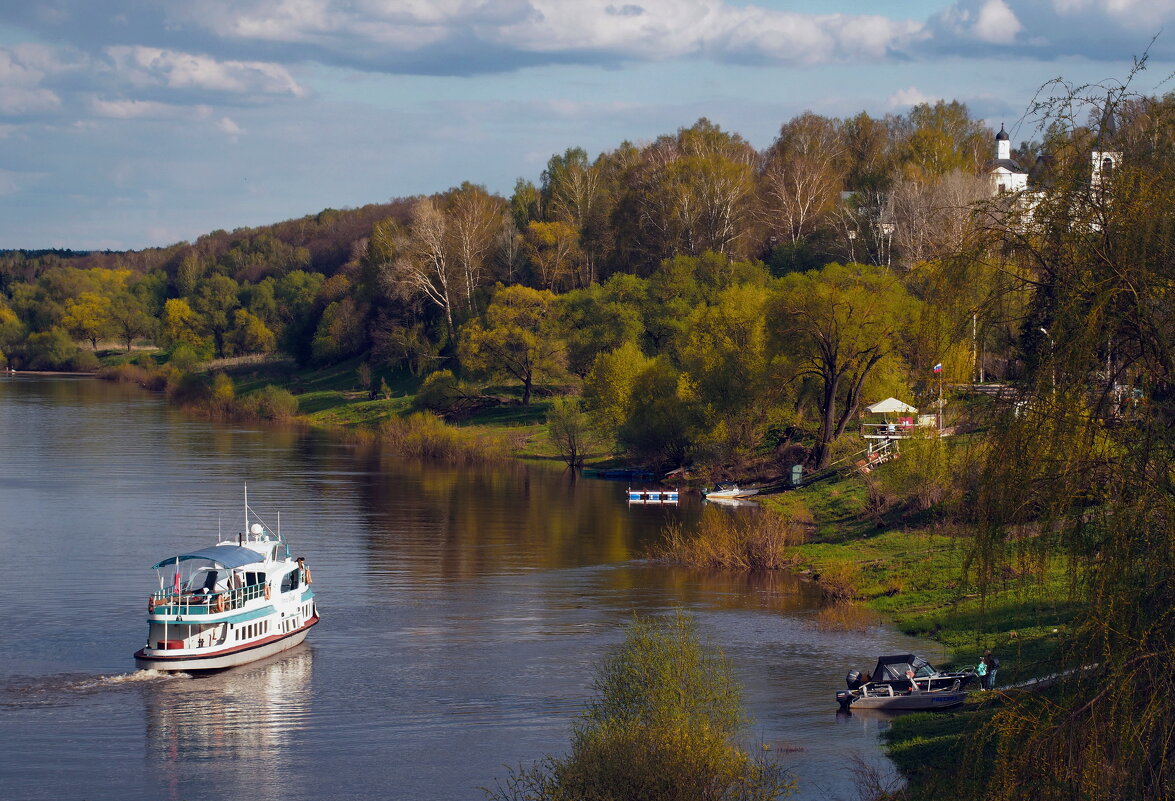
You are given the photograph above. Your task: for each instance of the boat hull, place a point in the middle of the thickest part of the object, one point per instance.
(921, 701)
(219, 659)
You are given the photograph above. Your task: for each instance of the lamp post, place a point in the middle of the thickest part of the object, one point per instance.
(1052, 355)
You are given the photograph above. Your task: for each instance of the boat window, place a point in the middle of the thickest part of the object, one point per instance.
(290, 581)
(253, 578)
(210, 581)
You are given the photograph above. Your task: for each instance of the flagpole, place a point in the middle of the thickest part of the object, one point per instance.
(940, 403)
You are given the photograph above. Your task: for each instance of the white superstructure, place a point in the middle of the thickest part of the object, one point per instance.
(228, 604)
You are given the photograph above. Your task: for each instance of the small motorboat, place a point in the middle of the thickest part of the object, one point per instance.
(228, 604)
(904, 682)
(728, 491)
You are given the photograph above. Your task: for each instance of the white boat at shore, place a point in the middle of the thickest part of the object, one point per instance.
(729, 491)
(228, 604)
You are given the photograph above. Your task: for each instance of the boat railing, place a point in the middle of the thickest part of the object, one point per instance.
(170, 602)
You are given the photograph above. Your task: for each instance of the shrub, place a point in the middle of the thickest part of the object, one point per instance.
(50, 350)
(124, 374)
(184, 357)
(444, 394)
(270, 403)
(745, 542)
(423, 435)
(662, 725)
(188, 389)
(221, 396)
(84, 361)
(841, 581)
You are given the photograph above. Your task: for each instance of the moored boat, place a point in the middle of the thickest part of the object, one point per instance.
(228, 604)
(904, 682)
(895, 698)
(729, 491)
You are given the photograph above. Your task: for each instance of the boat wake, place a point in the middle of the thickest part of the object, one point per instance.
(136, 677)
(53, 691)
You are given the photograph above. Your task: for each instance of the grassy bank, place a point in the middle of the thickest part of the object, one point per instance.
(339, 398)
(918, 577)
(907, 568)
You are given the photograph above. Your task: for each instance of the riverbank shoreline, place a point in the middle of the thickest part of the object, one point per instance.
(913, 578)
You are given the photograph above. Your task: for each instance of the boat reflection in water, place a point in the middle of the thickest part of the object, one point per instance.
(243, 720)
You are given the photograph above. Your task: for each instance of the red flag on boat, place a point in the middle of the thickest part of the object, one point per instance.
(176, 583)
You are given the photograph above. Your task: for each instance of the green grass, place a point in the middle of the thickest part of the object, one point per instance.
(916, 575)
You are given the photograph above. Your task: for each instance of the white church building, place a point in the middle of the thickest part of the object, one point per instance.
(1006, 173)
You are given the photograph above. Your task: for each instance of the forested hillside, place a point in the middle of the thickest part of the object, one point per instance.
(709, 302)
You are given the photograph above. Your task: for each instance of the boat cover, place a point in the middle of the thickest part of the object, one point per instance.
(893, 668)
(224, 555)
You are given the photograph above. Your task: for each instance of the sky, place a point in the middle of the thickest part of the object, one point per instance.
(127, 124)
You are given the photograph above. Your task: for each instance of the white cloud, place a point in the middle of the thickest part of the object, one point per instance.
(18, 101)
(911, 96)
(21, 78)
(226, 125)
(151, 66)
(488, 36)
(996, 23)
(125, 109)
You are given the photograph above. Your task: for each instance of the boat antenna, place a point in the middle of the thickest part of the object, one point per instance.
(219, 537)
(246, 506)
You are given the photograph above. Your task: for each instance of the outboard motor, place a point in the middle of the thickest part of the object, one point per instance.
(853, 679)
(845, 699)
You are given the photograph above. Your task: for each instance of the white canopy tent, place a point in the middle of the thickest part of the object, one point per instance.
(891, 406)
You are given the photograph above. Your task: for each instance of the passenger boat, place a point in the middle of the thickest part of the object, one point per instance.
(904, 682)
(228, 604)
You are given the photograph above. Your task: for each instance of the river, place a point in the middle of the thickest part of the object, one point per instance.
(463, 610)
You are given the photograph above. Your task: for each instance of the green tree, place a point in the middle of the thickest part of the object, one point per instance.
(50, 350)
(181, 325)
(942, 138)
(11, 332)
(594, 322)
(216, 300)
(88, 317)
(609, 384)
(129, 318)
(1080, 465)
(662, 726)
(553, 249)
(802, 177)
(296, 294)
(574, 193)
(665, 420)
(220, 399)
(569, 429)
(727, 358)
(249, 334)
(837, 325)
(340, 331)
(519, 338)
